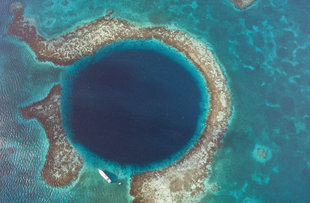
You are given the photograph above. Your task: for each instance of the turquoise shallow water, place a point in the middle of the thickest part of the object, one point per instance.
(265, 53)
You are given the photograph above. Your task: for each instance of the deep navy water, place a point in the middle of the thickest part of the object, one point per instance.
(265, 52)
(133, 106)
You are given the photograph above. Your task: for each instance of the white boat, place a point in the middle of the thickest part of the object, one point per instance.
(105, 176)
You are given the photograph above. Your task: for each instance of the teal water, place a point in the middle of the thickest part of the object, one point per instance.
(265, 53)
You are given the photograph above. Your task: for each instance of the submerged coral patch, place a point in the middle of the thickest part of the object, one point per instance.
(261, 153)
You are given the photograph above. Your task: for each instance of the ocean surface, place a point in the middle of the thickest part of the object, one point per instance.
(265, 53)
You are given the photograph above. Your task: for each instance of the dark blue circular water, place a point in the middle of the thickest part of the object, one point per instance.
(134, 106)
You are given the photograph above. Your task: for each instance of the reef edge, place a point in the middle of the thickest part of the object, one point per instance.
(62, 163)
